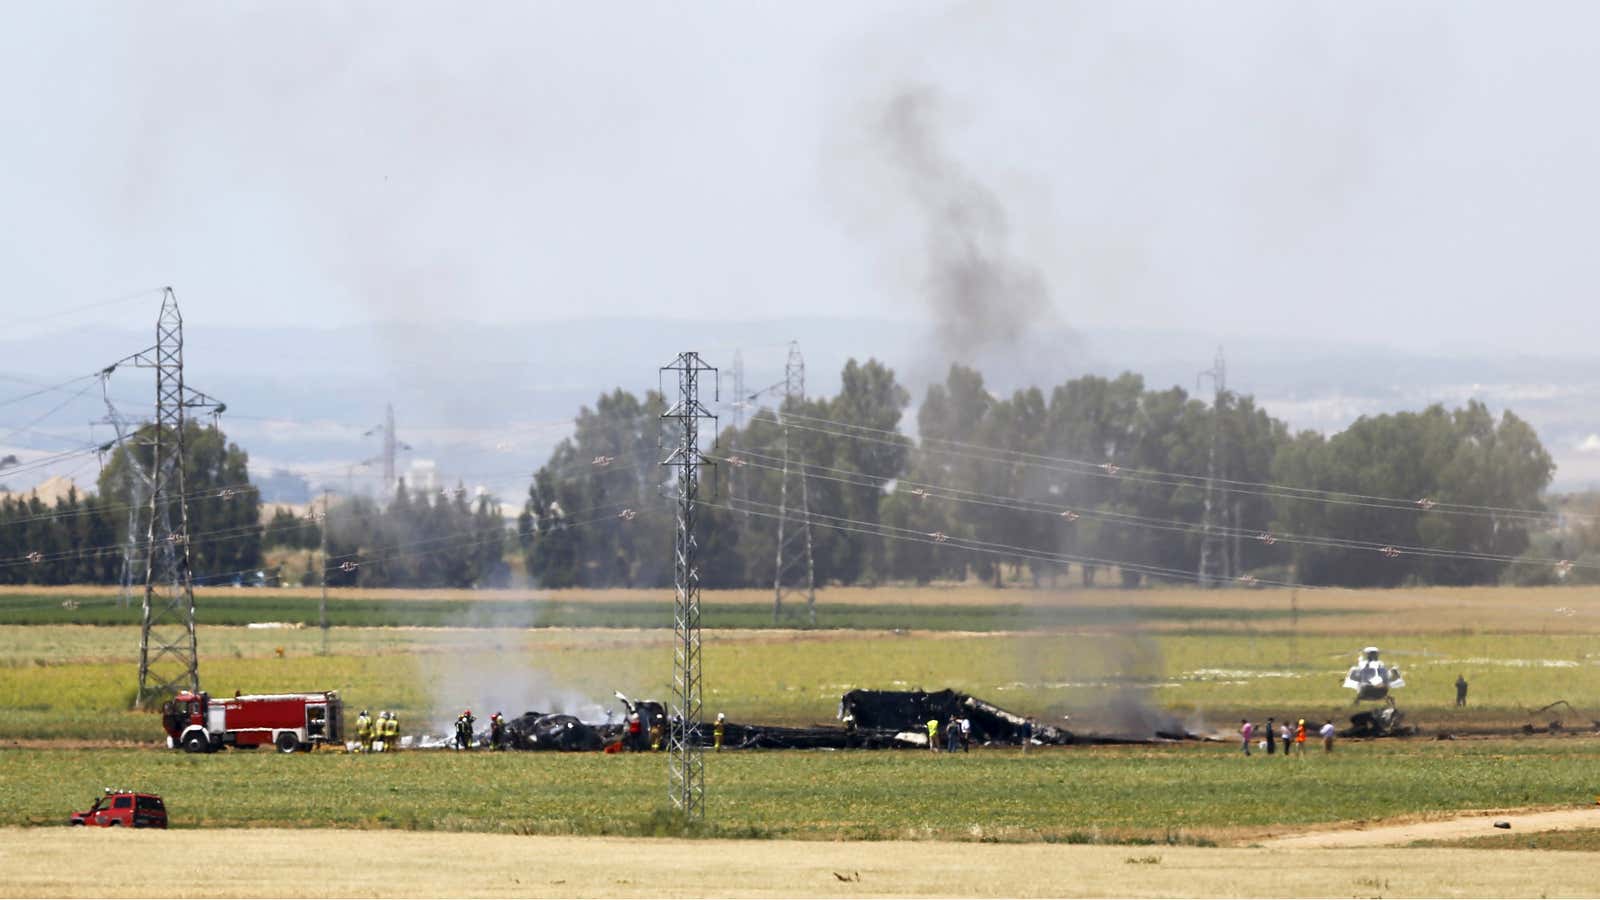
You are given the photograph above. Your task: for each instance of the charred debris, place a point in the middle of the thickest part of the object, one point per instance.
(871, 720)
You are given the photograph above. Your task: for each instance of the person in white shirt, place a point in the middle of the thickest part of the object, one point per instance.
(1327, 737)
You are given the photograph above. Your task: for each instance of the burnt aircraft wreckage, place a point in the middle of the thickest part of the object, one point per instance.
(871, 720)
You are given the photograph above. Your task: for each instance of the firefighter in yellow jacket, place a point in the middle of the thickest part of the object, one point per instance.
(391, 732)
(364, 731)
(717, 732)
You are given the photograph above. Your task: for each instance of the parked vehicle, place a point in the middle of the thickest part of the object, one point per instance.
(200, 723)
(123, 809)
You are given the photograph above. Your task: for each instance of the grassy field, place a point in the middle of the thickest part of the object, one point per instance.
(77, 682)
(1176, 794)
(1111, 660)
(1283, 613)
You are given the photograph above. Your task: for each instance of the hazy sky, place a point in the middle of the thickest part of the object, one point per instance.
(1417, 174)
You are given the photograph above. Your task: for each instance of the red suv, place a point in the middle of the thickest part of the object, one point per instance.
(126, 809)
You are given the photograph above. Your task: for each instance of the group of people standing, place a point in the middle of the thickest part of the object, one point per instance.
(957, 734)
(378, 735)
(497, 731)
(1293, 737)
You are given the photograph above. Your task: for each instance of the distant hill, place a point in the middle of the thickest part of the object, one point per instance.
(483, 403)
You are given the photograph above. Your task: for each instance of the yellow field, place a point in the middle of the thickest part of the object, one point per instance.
(52, 863)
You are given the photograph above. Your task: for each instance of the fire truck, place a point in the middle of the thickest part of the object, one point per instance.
(200, 723)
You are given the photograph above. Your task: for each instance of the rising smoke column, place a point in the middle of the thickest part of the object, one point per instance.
(983, 297)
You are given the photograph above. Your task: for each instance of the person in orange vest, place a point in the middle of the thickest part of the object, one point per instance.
(1300, 738)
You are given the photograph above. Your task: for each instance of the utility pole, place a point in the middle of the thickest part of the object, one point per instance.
(789, 556)
(322, 607)
(736, 381)
(686, 759)
(1214, 542)
(168, 656)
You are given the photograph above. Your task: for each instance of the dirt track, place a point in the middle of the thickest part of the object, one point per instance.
(51, 862)
(1476, 825)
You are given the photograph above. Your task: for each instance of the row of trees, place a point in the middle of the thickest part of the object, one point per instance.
(80, 539)
(1039, 483)
(420, 539)
(1035, 486)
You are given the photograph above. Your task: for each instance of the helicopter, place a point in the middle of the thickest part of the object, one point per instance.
(1371, 679)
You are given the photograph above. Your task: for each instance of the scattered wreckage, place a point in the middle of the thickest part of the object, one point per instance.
(868, 719)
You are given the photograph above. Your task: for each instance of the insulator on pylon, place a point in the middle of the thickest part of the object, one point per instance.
(939, 536)
(226, 493)
(1069, 515)
(1563, 567)
(36, 557)
(1426, 503)
(919, 493)
(736, 461)
(1267, 537)
(627, 515)
(1111, 468)
(348, 566)
(1390, 551)
(1247, 579)
(603, 460)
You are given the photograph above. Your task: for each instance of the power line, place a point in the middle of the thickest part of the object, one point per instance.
(935, 491)
(73, 310)
(1108, 470)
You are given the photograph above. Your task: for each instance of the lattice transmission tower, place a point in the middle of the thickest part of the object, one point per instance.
(795, 571)
(168, 656)
(735, 377)
(1215, 567)
(392, 445)
(137, 483)
(686, 759)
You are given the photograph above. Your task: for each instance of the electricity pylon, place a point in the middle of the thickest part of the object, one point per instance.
(794, 531)
(169, 659)
(1214, 566)
(686, 759)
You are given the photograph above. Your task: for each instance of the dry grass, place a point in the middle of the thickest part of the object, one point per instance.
(50, 863)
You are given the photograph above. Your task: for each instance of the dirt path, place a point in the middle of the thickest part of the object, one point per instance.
(1475, 825)
(55, 862)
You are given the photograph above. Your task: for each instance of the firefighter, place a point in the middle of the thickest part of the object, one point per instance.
(464, 730)
(933, 735)
(376, 744)
(364, 731)
(655, 735)
(716, 732)
(497, 732)
(635, 734)
(391, 732)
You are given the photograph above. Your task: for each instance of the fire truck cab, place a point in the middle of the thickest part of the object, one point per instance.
(201, 724)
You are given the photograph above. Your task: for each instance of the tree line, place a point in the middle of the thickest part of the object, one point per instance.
(1093, 479)
(1082, 480)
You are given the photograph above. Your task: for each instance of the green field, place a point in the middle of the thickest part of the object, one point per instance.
(1113, 661)
(246, 606)
(77, 682)
(1189, 793)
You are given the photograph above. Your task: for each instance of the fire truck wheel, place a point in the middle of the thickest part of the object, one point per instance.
(196, 743)
(113, 824)
(287, 742)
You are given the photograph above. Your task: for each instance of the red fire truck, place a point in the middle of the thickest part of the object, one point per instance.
(200, 723)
